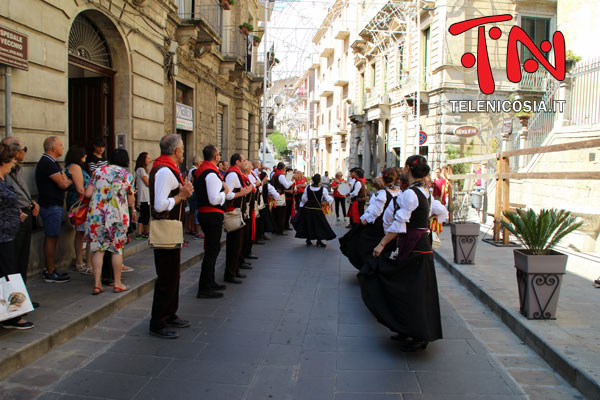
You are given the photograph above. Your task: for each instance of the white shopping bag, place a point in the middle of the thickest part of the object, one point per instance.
(436, 242)
(14, 298)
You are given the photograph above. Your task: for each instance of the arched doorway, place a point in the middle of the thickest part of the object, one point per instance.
(98, 82)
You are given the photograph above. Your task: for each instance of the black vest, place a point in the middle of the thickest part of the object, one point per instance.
(420, 215)
(313, 201)
(177, 211)
(276, 184)
(239, 202)
(388, 198)
(201, 189)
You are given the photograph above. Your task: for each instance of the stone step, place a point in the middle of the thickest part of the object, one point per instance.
(68, 309)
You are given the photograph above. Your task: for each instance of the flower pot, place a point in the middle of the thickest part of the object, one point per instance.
(524, 120)
(245, 30)
(538, 279)
(464, 241)
(225, 5)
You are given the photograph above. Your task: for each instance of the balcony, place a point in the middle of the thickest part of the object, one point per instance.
(326, 91)
(341, 82)
(534, 82)
(327, 51)
(208, 18)
(356, 110)
(375, 98)
(342, 33)
(235, 44)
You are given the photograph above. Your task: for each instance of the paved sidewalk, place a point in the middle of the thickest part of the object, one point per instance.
(295, 329)
(571, 343)
(68, 309)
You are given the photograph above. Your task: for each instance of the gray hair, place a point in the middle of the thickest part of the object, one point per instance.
(169, 143)
(196, 160)
(13, 144)
(49, 143)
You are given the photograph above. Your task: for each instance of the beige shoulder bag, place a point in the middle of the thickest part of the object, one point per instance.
(166, 233)
(233, 220)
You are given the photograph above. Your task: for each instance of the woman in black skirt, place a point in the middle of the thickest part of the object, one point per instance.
(358, 243)
(400, 287)
(311, 223)
(266, 223)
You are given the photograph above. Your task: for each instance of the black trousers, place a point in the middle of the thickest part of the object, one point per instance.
(233, 253)
(298, 198)
(340, 201)
(260, 227)
(278, 218)
(166, 288)
(247, 239)
(23, 244)
(289, 204)
(212, 226)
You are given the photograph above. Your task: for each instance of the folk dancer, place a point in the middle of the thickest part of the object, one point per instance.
(167, 200)
(238, 184)
(289, 200)
(211, 194)
(268, 196)
(280, 183)
(358, 196)
(340, 199)
(300, 188)
(312, 223)
(358, 243)
(250, 233)
(400, 287)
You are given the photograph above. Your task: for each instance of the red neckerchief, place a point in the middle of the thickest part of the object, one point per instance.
(245, 181)
(205, 166)
(363, 181)
(167, 161)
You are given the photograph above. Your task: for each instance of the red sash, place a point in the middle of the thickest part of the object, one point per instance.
(207, 165)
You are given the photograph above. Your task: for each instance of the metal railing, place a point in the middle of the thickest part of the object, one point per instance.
(533, 81)
(235, 43)
(211, 14)
(583, 98)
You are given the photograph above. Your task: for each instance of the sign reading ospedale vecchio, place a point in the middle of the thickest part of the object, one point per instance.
(466, 131)
(13, 48)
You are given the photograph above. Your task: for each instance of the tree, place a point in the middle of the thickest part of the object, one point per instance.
(279, 143)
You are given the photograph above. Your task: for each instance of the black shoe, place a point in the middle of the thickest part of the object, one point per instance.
(252, 257)
(233, 280)
(179, 323)
(321, 244)
(308, 243)
(35, 304)
(264, 238)
(164, 333)
(56, 277)
(18, 325)
(210, 294)
(259, 243)
(245, 266)
(216, 286)
(349, 226)
(240, 275)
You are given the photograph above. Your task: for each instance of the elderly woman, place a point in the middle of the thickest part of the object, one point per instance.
(10, 219)
(111, 192)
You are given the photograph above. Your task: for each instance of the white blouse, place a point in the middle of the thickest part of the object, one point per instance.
(377, 205)
(407, 202)
(325, 197)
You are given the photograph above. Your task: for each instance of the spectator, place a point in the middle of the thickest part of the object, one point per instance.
(439, 186)
(325, 180)
(193, 228)
(26, 205)
(76, 171)
(111, 192)
(51, 184)
(167, 196)
(142, 166)
(97, 159)
(10, 218)
(340, 199)
(225, 166)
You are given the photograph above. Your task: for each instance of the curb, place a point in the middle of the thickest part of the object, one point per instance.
(579, 379)
(42, 346)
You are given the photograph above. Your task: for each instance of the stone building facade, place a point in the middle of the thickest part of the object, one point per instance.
(131, 71)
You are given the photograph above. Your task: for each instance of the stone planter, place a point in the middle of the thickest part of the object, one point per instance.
(539, 278)
(464, 241)
(225, 5)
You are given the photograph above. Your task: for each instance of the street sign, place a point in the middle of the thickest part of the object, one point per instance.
(13, 49)
(507, 126)
(466, 131)
(184, 117)
(422, 138)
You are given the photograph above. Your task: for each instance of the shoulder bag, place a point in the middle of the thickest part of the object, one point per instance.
(233, 220)
(166, 233)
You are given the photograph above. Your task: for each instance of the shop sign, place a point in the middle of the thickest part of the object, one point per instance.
(13, 49)
(466, 131)
(507, 126)
(185, 117)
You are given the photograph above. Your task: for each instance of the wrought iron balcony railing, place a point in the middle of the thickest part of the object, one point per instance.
(209, 14)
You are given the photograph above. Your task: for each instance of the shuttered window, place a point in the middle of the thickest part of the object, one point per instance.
(220, 127)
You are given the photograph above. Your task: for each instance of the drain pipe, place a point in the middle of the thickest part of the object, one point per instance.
(7, 97)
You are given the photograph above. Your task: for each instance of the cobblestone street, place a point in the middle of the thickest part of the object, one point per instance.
(295, 329)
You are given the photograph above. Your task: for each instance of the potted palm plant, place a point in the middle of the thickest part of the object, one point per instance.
(246, 28)
(256, 40)
(539, 266)
(464, 233)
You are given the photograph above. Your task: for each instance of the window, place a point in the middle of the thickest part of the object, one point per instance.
(220, 127)
(426, 55)
(372, 75)
(538, 30)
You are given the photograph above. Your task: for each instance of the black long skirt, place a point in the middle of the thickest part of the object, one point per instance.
(358, 243)
(312, 224)
(267, 219)
(402, 294)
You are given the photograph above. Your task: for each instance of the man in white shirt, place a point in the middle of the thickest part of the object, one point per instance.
(168, 194)
(280, 183)
(211, 194)
(193, 228)
(238, 184)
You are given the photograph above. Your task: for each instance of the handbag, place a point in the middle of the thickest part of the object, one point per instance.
(79, 211)
(281, 201)
(166, 233)
(14, 298)
(232, 220)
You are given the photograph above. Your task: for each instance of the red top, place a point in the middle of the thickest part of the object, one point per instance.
(438, 187)
(300, 181)
(335, 185)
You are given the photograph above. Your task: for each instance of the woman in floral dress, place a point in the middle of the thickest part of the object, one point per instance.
(111, 191)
